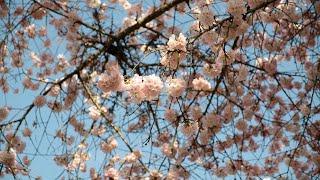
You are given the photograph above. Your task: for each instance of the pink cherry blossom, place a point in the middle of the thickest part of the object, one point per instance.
(111, 173)
(112, 80)
(152, 86)
(175, 51)
(132, 157)
(27, 132)
(162, 89)
(144, 88)
(109, 145)
(93, 3)
(176, 87)
(8, 158)
(4, 112)
(201, 84)
(40, 101)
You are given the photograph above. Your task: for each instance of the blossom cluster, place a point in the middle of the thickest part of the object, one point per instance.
(201, 84)
(175, 51)
(4, 112)
(144, 87)
(179, 86)
(176, 87)
(112, 79)
(109, 145)
(8, 158)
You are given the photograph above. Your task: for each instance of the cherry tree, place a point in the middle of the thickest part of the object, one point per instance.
(160, 89)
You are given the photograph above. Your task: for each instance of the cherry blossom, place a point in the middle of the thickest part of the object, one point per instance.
(8, 158)
(4, 112)
(175, 51)
(144, 87)
(112, 80)
(152, 86)
(111, 173)
(201, 84)
(176, 87)
(39, 101)
(109, 145)
(172, 89)
(93, 3)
